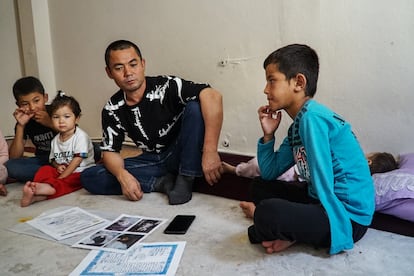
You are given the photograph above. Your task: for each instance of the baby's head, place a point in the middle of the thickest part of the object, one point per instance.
(381, 162)
(62, 100)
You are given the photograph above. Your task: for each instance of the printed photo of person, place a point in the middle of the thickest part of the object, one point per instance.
(124, 241)
(123, 223)
(145, 226)
(99, 238)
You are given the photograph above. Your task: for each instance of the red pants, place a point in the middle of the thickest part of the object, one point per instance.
(48, 174)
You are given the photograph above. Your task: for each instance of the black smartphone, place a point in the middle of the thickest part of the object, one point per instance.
(180, 224)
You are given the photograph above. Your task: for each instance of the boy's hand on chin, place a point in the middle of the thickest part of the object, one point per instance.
(22, 116)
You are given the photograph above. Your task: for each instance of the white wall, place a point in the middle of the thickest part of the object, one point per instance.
(365, 50)
(11, 67)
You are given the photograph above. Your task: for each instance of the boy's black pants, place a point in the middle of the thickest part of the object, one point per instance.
(284, 211)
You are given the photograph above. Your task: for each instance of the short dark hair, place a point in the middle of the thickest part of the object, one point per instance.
(62, 100)
(294, 59)
(120, 45)
(382, 162)
(27, 85)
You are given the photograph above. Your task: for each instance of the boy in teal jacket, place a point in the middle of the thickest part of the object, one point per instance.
(334, 207)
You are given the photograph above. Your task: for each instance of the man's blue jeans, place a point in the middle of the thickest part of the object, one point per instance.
(183, 157)
(24, 169)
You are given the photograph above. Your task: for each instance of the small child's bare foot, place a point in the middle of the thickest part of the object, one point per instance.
(33, 186)
(248, 208)
(276, 245)
(28, 194)
(227, 168)
(3, 190)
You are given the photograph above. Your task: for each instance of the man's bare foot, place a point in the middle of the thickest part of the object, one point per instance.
(248, 208)
(227, 168)
(276, 245)
(3, 190)
(28, 194)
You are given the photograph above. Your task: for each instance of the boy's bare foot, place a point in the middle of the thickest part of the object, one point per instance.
(3, 190)
(248, 208)
(227, 168)
(28, 194)
(276, 245)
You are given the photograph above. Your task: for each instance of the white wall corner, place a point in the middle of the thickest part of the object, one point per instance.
(36, 42)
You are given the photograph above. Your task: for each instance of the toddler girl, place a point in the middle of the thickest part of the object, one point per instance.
(71, 153)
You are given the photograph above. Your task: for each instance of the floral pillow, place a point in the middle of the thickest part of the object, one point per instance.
(396, 184)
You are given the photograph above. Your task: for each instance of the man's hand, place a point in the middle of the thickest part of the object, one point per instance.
(212, 168)
(130, 186)
(211, 103)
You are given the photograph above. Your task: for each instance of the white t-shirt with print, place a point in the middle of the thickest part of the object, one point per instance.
(79, 145)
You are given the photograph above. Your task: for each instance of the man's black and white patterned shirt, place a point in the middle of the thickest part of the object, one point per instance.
(154, 123)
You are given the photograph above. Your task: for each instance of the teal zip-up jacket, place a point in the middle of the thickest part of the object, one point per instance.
(330, 159)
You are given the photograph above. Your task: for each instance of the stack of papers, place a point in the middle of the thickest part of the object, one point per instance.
(68, 223)
(116, 245)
